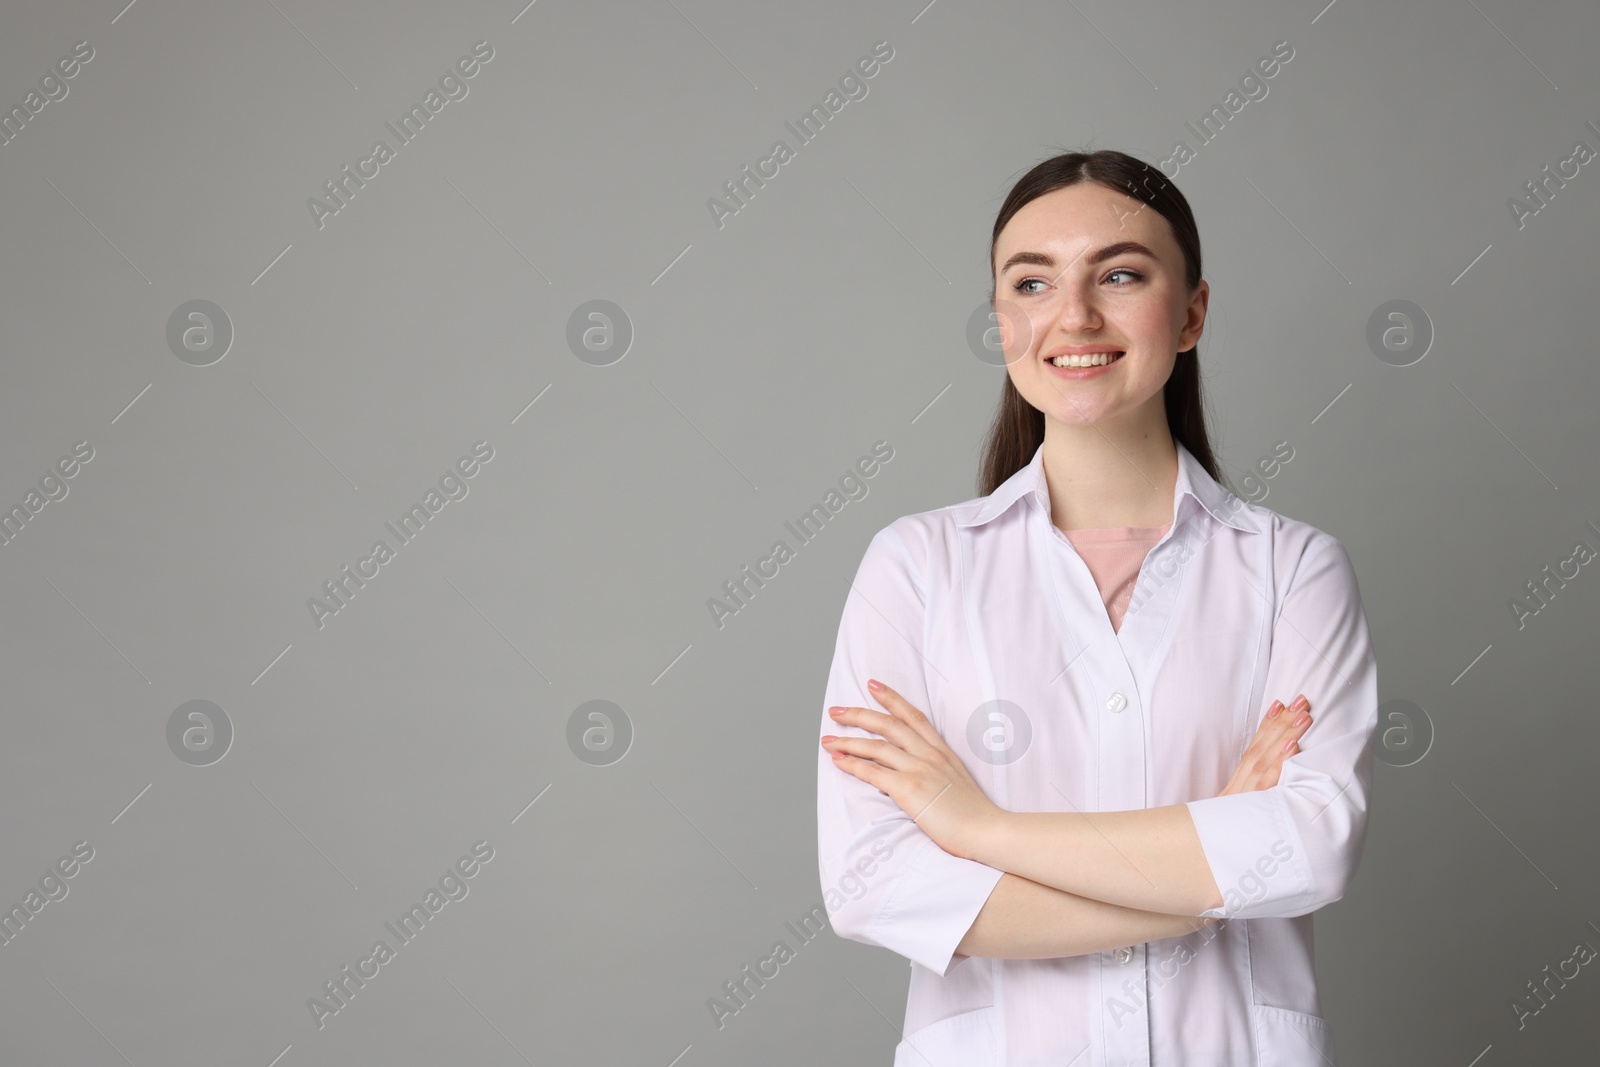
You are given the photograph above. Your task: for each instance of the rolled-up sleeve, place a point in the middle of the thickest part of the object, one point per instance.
(884, 881)
(1294, 848)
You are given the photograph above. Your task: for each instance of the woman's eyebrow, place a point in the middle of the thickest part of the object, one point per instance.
(1044, 259)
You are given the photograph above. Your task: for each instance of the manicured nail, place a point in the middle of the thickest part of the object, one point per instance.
(838, 755)
(828, 737)
(1288, 746)
(836, 712)
(874, 684)
(1302, 719)
(1301, 702)
(1277, 706)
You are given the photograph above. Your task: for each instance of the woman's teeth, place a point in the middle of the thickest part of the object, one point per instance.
(1092, 359)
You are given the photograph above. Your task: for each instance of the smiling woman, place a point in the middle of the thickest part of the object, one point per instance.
(1152, 800)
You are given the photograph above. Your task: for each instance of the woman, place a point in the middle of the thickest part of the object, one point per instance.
(1073, 804)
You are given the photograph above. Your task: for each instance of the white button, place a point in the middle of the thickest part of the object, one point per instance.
(1124, 955)
(1116, 702)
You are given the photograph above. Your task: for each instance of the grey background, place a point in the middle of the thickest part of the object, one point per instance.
(828, 314)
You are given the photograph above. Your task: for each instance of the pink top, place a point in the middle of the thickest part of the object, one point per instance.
(1114, 554)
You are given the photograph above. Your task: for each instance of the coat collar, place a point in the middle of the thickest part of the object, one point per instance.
(1193, 482)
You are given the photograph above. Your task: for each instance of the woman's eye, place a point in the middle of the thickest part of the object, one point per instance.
(1133, 276)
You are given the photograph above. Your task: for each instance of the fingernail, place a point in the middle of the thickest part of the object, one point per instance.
(874, 684)
(1302, 719)
(1288, 746)
(828, 737)
(1277, 706)
(836, 712)
(838, 755)
(1301, 702)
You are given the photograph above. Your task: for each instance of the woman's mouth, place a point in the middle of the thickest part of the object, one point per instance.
(1087, 359)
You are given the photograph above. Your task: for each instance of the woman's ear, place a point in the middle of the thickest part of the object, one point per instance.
(1195, 320)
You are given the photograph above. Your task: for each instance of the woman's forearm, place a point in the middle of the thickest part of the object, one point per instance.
(1023, 920)
(1149, 859)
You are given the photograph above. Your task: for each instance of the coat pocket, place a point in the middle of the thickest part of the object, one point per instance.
(965, 1040)
(1287, 1038)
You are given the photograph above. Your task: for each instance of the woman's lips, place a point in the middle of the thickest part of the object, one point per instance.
(1079, 373)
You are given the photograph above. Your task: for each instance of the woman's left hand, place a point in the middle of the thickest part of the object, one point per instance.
(919, 772)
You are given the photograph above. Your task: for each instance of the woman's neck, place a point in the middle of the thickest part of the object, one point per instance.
(1103, 475)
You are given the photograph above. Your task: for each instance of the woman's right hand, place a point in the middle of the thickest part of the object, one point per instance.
(1275, 741)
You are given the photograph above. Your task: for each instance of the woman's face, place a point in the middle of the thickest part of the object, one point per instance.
(1088, 268)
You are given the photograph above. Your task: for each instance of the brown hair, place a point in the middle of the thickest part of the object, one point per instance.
(1018, 427)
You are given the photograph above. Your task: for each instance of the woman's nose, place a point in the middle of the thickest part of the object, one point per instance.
(1076, 313)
